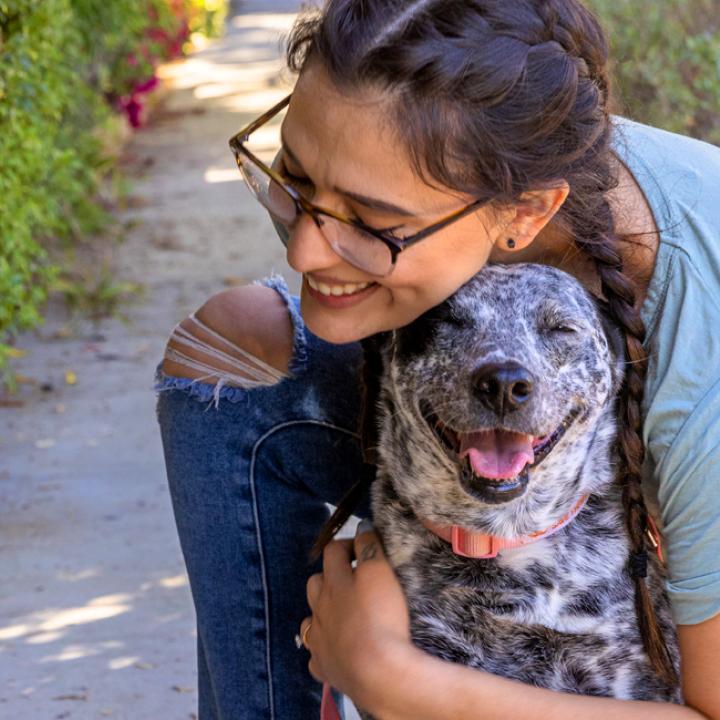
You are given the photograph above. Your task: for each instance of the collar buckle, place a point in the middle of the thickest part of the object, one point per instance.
(475, 545)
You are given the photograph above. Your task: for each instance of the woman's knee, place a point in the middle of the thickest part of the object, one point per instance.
(242, 335)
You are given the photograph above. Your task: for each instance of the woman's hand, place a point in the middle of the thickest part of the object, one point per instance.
(360, 625)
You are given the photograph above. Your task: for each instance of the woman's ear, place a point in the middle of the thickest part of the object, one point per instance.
(532, 213)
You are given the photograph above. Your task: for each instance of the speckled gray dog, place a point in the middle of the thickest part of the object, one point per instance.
(497, 415)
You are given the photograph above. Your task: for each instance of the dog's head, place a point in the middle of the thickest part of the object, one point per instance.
(499, 402)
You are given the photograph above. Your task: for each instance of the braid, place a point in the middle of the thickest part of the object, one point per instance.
(592, 226)
(580, 36)
(621, 297)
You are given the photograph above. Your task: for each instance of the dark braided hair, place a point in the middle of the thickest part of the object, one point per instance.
(497, 98)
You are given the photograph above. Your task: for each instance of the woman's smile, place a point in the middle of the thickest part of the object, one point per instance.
(335, 294)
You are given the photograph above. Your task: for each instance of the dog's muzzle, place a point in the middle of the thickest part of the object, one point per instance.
(495, 463)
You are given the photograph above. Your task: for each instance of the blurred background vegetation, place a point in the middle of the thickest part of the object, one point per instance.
(72, 73)
(72, 70)
(666, 62)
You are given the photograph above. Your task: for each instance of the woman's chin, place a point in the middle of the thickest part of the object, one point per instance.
(333, 329)
(337, 333)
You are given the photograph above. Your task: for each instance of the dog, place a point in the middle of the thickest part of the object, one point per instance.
(496, 498)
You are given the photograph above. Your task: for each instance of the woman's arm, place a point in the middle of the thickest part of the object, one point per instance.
(418, 686)
(360, 643)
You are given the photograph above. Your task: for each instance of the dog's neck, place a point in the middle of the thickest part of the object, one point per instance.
(467, 543)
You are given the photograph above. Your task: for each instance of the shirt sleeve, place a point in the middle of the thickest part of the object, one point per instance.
(688, 487)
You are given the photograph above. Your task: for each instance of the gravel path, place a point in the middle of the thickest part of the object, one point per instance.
(96, 619)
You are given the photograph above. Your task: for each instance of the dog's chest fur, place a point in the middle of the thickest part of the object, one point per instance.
(558, 614)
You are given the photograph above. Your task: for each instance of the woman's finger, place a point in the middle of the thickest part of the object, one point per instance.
(337, 559)
(367, 543)
(313, 589)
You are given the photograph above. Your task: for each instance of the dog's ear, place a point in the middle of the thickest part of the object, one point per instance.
(413, 339)
(616, 340)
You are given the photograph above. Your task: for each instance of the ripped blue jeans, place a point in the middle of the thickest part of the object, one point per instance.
(249, 472)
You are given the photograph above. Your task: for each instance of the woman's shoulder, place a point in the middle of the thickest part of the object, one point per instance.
(679, 175)
(661, 149)
(680, 178)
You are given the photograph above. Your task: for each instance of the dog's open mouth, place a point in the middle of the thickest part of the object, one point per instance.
(495, 461)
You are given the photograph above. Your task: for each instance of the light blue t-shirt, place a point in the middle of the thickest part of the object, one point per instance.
(680, 178)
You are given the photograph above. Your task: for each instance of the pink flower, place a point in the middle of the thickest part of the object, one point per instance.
(146, 86)
(133, 109)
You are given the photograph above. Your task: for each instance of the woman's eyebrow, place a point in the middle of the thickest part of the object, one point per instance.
(368, 202)
(375, 203)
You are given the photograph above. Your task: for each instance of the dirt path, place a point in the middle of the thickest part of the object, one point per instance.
(96, 619)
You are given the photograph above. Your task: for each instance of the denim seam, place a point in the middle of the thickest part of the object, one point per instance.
(256, 517)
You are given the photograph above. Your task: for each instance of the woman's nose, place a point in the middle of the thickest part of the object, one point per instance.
(307, 248)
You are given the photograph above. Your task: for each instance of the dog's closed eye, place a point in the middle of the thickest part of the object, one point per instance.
(563, 328)
(552, 319)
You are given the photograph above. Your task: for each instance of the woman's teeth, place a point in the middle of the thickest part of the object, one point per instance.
(336, 290)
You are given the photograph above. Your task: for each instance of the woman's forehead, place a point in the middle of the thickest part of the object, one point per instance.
(350, 139)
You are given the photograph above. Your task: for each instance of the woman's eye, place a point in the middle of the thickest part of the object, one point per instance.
(296, 180)
(299, 182)
(387, 231)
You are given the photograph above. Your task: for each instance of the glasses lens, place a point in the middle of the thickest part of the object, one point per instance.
(268, 193)
(359, 248)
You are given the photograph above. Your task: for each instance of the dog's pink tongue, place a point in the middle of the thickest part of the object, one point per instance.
(497, 454)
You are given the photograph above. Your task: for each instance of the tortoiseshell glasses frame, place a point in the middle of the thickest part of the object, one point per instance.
(369, 249)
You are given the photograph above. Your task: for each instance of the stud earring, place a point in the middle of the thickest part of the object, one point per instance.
(510, 243)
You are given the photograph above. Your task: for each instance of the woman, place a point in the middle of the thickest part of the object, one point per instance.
(480, 130)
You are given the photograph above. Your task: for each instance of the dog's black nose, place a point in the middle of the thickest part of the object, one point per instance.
(502, 387)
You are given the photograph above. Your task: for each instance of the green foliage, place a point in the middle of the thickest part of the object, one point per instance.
(43, 181)
(666, 58)
(124, 52)
(65, 65)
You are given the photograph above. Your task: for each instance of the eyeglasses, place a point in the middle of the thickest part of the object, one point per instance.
(368, 249)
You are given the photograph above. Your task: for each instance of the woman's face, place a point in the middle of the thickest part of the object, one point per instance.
(349, 159)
